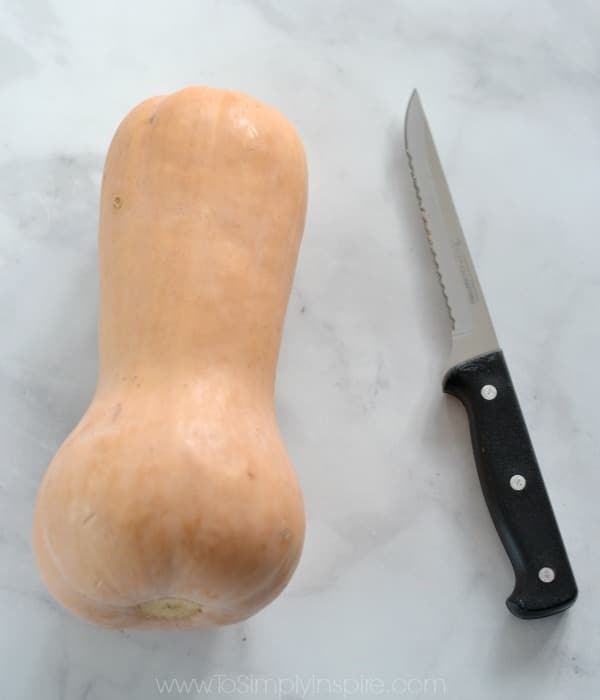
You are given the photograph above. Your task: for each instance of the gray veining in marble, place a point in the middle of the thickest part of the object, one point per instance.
(402, 576)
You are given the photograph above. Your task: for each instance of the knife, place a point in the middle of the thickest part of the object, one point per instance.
(478, 376)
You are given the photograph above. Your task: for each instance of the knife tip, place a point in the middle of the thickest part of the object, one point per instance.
(413, 99)
(414, 111)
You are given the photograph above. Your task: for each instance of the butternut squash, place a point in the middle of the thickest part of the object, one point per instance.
(173, 503)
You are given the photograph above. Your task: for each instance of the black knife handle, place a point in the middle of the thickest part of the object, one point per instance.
(513, 487)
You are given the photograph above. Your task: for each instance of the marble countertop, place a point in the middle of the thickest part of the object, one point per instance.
(402, 583)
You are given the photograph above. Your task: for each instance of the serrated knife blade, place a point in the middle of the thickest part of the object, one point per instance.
(472, 333)
(477, 374)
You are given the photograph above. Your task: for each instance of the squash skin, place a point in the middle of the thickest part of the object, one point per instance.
(175, 485)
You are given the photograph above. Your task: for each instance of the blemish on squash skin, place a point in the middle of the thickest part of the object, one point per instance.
(285, 534)
(251, 474)
(117, 202)
(116, 412)
(89, 518)
(133, 380)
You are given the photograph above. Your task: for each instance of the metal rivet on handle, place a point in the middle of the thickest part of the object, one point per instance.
(546, 574)
(489, 392)
(518, 482)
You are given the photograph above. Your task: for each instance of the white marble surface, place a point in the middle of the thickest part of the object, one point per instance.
(402, 574)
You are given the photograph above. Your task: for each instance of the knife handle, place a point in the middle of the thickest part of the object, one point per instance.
(513, 487)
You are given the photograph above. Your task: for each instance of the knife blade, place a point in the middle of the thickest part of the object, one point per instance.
(478, 376)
